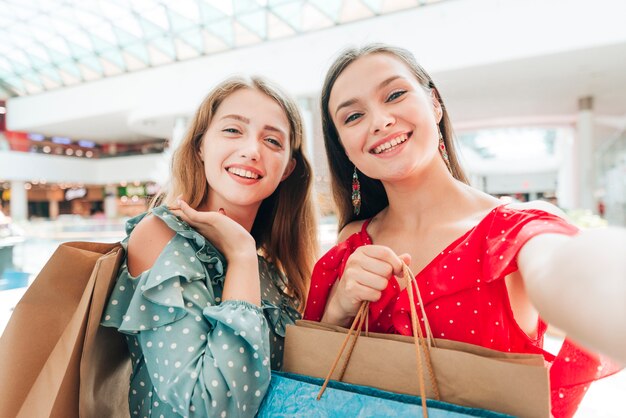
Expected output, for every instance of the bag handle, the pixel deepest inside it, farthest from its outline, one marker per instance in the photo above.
(418, 339)
(412, 282)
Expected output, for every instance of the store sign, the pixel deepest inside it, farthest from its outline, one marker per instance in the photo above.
(77, 193)
(135, 191)
(131, 191)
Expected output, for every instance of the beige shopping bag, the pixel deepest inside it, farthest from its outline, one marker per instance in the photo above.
(55, 358)
(464, 374)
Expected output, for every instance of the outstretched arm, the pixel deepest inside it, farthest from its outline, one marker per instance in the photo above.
(579, 285)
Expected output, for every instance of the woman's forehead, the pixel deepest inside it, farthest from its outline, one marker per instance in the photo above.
(366, 73)
(254, 105)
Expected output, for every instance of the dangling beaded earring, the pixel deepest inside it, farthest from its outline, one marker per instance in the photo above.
(443, 151)
(356, 192)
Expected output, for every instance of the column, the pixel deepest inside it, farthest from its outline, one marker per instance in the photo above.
(308, 119)
(19, 201)
(567, 189)
(583, 155)
(110, 201)
(54, 209)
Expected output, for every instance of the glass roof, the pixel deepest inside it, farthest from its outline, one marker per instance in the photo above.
(48, 44)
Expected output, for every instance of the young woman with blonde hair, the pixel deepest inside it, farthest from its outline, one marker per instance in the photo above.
(214, 274)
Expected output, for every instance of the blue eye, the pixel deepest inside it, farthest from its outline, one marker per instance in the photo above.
(231, 130)
(393, 96)
(274, 142)
(352, 117)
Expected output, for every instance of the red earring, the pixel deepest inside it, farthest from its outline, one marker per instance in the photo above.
(356, 192)
(443, 151)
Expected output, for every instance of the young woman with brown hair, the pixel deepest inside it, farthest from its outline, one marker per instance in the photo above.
(489, 274)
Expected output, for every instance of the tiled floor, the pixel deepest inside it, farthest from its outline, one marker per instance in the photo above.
(604, 399)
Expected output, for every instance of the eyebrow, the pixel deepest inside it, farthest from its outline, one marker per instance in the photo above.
(247, 121)
(237, 117)
(384, 83)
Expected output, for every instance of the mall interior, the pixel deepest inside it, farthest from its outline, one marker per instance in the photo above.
(95, 95)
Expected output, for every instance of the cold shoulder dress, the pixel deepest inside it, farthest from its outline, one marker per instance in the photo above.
(193, 354)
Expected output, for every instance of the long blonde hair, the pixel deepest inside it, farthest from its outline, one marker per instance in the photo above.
(285, 227)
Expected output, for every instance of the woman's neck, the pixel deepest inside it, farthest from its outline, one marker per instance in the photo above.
(243, 215)
(432, 197)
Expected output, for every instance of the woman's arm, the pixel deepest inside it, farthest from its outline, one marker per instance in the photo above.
(579, 285)
(213, 361)
(237, 245)
(215, 358)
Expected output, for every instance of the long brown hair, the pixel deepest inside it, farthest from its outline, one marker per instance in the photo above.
(373, 195)
(285, 227)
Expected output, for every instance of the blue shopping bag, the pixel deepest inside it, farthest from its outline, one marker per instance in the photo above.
(291, 395)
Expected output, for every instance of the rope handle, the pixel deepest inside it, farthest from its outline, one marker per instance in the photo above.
(418, 340)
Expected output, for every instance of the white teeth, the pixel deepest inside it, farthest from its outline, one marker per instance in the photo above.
(389, 144)
(243, 173)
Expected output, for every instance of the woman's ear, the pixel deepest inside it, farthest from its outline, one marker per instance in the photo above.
(289, 169)
(436, 105)
(201, 153)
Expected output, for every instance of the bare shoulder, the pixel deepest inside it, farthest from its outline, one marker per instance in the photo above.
(539, 205)
(146, 243)
(350, 229)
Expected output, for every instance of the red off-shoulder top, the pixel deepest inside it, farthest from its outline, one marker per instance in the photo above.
(465, 298)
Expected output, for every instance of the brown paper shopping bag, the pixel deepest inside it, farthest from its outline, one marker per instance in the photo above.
(463, 374)
(55, 358)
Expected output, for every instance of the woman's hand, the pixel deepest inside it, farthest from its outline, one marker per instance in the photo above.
(366, 275)
(237, 245)
(228, 236)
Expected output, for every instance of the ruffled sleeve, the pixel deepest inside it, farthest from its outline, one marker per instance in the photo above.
(204, 357)
(508, 233)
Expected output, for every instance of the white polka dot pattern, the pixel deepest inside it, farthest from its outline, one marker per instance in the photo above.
(197, 355)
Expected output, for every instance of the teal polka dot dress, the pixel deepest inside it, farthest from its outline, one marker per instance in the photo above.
(194, 355)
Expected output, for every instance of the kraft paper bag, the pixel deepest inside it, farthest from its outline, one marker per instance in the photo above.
(55, 358)
(467, 375)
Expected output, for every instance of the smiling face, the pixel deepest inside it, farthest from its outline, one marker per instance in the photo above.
(386, 120)
(246, 150)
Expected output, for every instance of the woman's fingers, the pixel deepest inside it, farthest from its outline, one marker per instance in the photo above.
(194, 217)
(386, 254)
(356, 276)
(189, 212)
(368, 294)
(375, 266)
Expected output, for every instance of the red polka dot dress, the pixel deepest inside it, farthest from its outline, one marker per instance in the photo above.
(466, 299)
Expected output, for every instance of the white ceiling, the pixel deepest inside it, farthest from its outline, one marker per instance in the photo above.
(539, 88)
(496, 63)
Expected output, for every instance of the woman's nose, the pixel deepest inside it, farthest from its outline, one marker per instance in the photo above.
(381, 121)
(250, 149)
